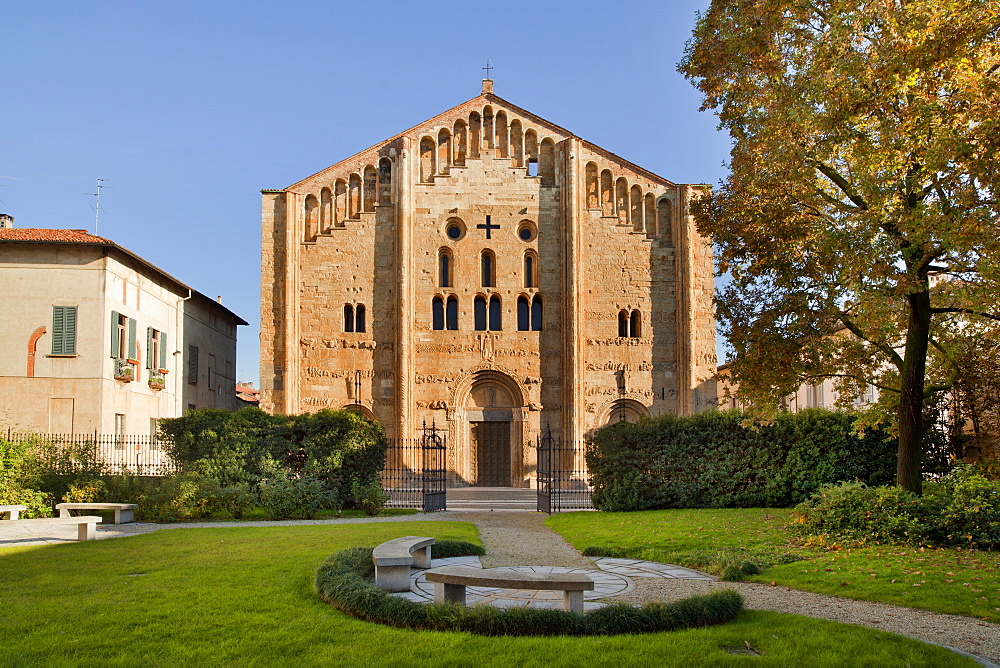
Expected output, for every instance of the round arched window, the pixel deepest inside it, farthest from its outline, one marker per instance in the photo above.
(526, 231)
(454, 229)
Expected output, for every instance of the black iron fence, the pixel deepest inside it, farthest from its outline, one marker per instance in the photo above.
(416, 471)
(100, 454)
(562, 475)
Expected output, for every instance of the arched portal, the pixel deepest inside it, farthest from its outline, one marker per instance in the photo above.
(489, 448)
(627, 410)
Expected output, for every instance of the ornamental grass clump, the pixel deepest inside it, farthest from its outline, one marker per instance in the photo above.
(344, 581)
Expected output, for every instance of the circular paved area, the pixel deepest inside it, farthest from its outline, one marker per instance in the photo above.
(612, 577)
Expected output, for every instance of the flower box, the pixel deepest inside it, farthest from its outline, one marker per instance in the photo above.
(123, 370)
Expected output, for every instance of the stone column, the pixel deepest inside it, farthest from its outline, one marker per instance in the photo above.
(290, 312)
(695, 313)
(274, 260)
(572, 295)
(404, 295)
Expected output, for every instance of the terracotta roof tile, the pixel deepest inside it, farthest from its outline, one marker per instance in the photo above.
(41, 234)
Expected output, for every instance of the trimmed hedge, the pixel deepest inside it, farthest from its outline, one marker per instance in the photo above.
(343, 581)
(718, 460)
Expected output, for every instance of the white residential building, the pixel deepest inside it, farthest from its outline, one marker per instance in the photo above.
(98, 339)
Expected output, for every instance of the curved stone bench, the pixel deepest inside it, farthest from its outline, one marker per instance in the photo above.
(393, 560)
(12, 512)
(450, 583)
(124, 512)
(86, 524)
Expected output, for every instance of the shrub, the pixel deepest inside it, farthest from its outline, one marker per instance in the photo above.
(962, 508)
(717, 460)
(284, 497)
(180, 496)
(126, 488)
(236, 499)
(370, 496)
(338, 448)
(857, 512)
(342, 581)
(969, 508)
(20, 477)
(83, 490)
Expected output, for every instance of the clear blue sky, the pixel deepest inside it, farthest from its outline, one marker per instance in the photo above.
(189, 108)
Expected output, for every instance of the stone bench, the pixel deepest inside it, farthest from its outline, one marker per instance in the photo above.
(11, 512)
(393, 560)
(450, 583)
(86, 524)
(124, 512)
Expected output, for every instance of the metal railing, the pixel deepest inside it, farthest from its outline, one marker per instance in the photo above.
(99, 454)
(563, 481)
(124, 370)
(157, 379)
(415, 472)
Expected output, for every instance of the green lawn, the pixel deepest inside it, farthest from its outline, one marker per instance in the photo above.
(243, 596)
(962, 582)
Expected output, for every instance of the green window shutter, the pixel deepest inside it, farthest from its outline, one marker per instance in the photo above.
(149, 348)
(131, 338)
(57, 330)
(192, 364)
(69, 330)
(114, 333)
(163, 350)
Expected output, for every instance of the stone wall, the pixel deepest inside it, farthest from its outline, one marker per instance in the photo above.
(606, 240)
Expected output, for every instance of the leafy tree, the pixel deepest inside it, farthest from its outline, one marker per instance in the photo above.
(860, 215)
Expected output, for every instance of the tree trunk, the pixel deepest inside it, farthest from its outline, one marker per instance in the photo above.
(911, 400)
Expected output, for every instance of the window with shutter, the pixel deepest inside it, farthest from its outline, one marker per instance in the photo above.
(192, 364)
(150, 338)
(115, 334)
(163, 350)
(132, 352)
(63, 330)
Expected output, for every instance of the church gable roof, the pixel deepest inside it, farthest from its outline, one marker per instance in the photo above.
(462, 111)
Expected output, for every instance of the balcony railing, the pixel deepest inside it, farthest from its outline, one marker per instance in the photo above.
(124, 369)
(157, 379)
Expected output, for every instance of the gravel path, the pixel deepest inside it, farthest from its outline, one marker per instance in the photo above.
(517, 538)
(976, 637)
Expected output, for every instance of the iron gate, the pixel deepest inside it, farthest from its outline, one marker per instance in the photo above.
(562, 475)
(416, 472)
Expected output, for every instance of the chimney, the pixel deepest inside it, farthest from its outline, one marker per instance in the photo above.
(219, 299)
(6, 221)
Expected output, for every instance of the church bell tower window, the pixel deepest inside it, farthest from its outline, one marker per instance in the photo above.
(354, 317)
(496, 314)
(488, 269)
(479, 312)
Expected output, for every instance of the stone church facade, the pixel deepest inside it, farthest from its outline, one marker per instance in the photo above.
(492, 274)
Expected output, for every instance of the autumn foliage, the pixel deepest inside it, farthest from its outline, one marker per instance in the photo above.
(859, 223)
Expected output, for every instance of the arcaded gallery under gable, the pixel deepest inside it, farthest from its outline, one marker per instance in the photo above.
(493, 274)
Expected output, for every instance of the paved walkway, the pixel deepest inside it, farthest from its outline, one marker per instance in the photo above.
(612, 577)
(514, 538)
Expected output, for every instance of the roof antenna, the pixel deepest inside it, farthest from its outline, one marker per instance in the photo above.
(97, 202)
